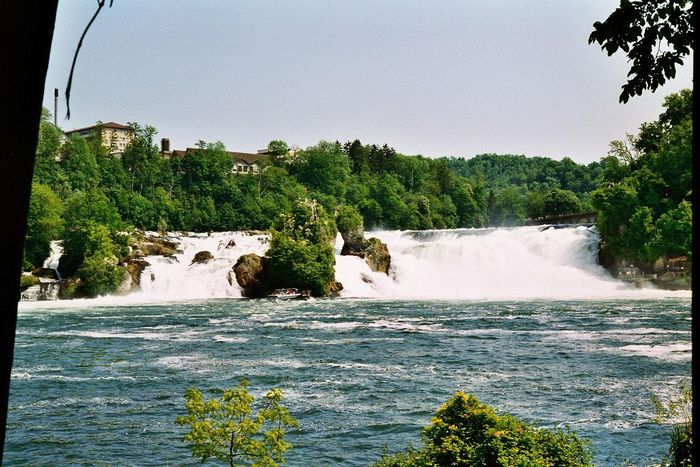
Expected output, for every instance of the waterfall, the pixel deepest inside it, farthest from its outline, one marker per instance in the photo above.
(46, 289)
(54, 257)
(462, 264)
(483, 264)
(177, 277)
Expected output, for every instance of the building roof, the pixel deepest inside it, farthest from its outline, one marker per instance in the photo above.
(247, 157)
(113, 125)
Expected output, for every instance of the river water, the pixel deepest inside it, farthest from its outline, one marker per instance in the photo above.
(96, 383)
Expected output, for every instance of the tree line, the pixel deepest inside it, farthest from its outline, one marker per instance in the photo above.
(89, 198)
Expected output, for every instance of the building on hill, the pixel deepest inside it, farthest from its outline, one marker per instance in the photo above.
(114, 136)
(241, 162)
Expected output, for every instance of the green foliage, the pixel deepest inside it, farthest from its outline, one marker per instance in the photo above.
(278, 151)
(559, 202)
(228, 429)
(348, 219)
(655, 35)
(644, 209)
(323, 167)
(680, 453)
(301, 249)
(673, 232)
(301, 264)
(508, 207)
(99, 268)
(101, 274)
(466, 432)
(81, 164)
(44, 223)
(27, 281)
(47, 167)
(87, 216)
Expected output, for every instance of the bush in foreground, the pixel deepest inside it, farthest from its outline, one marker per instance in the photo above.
(228, 430)
(680, 451)
(466, 432)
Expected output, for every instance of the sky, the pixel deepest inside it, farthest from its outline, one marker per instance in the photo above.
(448, 78)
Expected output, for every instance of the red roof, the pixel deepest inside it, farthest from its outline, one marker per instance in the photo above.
(113, 125)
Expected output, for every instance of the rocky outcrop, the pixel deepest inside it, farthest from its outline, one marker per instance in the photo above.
(71, 288)
(656, 274)
(45, 273)
(334, 287)
(249, 271)
(135, 267)
(202, 257)
(147, 245)
(372, 250)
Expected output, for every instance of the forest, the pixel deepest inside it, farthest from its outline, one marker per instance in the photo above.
(92, 200)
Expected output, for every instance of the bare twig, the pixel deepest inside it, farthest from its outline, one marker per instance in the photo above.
(100, 4)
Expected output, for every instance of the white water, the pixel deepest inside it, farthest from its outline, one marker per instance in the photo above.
(177, 278)
(54, 256)
(46, 289)
(517, 263)
(463, 264)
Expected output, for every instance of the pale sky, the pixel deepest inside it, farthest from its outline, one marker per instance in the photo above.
(437, 78)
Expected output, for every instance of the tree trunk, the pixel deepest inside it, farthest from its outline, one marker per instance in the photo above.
(26, 30)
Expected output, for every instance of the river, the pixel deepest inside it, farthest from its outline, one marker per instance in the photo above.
(103, 385)
(523, 318)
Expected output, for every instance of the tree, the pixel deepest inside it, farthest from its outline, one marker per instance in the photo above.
(323, 167)
(44, 223)
(641, 28)
(674, 231)
(47, 169)
(560, 202)
(227, 429)
(99, 270)
(466, 432)
(81, 164)
(278, 151)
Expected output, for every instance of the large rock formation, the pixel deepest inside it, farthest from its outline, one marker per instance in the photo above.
(135, 267)
(71, 288)
(147, 245)
(250, 275)
(372, 250)
(334, 287)
(202, 257)
(45, 273)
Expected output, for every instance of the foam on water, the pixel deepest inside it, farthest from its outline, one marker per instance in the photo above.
(520, 263)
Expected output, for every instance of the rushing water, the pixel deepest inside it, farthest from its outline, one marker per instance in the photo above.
(102, 385)
(523, 318)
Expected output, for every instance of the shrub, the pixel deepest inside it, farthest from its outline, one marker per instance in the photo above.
(466, 432)
(227, 429)
(680, 451)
